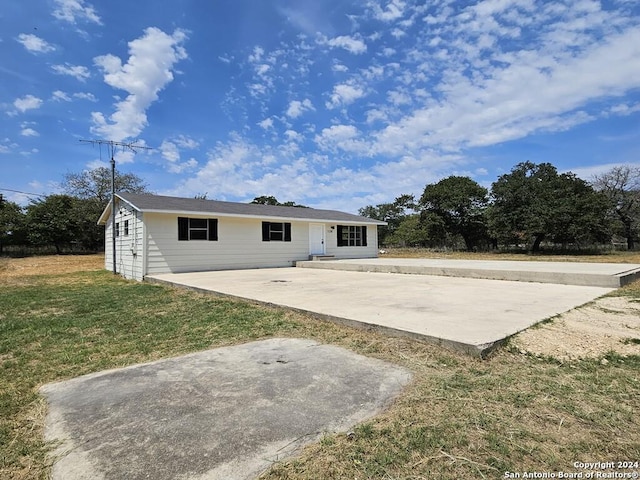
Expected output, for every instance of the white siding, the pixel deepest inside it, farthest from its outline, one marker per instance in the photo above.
(239, 245)
(152, 245)
(130, 247)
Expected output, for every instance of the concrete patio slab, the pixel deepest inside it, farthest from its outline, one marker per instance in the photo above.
(612, 275)
(227, 413)
(465, 314)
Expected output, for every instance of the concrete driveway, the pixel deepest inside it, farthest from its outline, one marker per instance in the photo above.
(227, 413)
(467, 314)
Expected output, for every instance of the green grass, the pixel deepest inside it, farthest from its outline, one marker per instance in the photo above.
(459, 418)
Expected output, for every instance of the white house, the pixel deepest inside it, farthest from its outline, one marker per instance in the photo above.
(159, 234)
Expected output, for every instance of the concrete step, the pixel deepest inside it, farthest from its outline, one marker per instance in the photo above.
(315, 258)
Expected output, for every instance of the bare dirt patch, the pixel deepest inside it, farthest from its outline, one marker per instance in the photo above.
(609, 324)
(49, 265)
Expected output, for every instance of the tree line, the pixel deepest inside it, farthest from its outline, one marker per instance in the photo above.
(526, 208)
(65, 222)
(530, 206)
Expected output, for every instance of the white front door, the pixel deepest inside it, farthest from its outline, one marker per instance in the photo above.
(316, 239)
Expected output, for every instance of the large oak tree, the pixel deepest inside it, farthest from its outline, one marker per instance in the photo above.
(534, 202)
(459, 203)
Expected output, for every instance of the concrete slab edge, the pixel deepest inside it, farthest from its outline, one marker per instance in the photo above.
(590, 280)
(625, 278)
(481, 351)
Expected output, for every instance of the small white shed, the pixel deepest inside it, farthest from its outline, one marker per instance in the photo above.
(159, 234)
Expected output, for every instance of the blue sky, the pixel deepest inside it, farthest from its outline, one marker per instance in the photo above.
(329, 103)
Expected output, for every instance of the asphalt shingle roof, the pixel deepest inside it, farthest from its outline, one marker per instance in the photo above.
(159, 203)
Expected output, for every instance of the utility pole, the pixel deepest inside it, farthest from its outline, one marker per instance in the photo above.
(112, 150)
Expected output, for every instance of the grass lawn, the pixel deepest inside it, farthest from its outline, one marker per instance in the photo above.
(459, 418)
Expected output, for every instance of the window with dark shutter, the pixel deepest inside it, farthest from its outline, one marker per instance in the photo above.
(276, 232)
(197, 228)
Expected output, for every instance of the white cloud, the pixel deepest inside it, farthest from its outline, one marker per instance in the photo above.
(344, 94)
(393, 11)
(257, 54)
(350, 44)
(74, 10)
(85, 96)
(35, 44)
(339, 67)
(297, 107)
(185, 142)
(170, 150)
(148, 70)
(266, 124)
(60, 96)
(342, 137)
(78, 72)
(28, 102)
(29, 132)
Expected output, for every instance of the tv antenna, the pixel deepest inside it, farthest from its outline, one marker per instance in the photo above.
(113, 146)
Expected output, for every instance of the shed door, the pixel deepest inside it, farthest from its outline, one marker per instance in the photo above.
(316, 239)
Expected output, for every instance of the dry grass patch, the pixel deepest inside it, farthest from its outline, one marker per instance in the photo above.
(48, 265)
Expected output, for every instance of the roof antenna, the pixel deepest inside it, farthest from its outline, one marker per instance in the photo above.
(112, 150)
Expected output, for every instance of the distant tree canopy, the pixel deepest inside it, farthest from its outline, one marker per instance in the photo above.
(534, 202)
(394, 214)
(53, 221)
(96, 184)
(12, 228)
(621, 186)
(524, 208)
(270, 200)
(457, 205)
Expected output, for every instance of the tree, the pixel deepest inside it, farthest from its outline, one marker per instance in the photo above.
(12, 221)
(271, 200)
(533, 202)
(92, 190)
(52, 221)
(393, 213)
(621, 186)
(459, 203)
(96, 184)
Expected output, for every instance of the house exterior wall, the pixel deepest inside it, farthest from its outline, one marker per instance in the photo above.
(151, 245)
(129, 244)
(239, 245)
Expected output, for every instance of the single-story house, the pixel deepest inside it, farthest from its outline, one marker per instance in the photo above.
(160, 234)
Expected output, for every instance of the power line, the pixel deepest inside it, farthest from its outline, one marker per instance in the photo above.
(23, 193)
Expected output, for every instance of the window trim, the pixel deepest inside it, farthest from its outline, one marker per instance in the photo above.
(185, 229)
(356, 236)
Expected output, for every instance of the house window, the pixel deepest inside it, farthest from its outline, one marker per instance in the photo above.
(126, 228)
(352, 235)
(117, 229)
(276, 232)
(197, 228)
